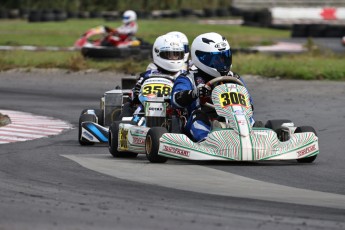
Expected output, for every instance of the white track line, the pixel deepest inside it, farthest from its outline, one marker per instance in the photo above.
(27, 126)
(205, 180)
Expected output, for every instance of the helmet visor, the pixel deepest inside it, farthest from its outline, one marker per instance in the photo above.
(172, 55)
(186, 48)
(221, 60)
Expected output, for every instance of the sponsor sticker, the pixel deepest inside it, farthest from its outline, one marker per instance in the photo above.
(175, 150)
(138, 140)
(123, 138)
(220, 45)
(306, 150)
(87, 135)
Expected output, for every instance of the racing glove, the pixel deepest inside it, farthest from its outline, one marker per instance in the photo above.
(202, 91)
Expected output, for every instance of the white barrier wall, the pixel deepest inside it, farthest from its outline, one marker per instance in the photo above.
(315, 13)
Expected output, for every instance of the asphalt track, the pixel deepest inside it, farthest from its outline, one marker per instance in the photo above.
(53, 183)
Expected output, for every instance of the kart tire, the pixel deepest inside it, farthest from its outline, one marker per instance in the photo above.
(99, 114)
(113, 141)
(116, 115)
(305, 129)
(276, 124)
(101, 52)
(83, 118)
(152, 144)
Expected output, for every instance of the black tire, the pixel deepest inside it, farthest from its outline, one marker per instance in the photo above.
(34, 16)
(152, 144)
(99, 113)
(82, 118)
(100, 116)
(116, 115)
(110, 52)
(276, 124)
(299, 30)
(113, 138)
(101, 52)
(305, 129)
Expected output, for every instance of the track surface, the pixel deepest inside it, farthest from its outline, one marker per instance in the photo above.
(41, 188)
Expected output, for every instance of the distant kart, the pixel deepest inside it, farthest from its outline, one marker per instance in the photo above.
(127, 137)
(233, 138)
(343, 40)
(94, 123)
(91, 46)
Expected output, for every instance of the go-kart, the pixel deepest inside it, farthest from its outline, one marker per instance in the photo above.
(127, 137)
(94, 123)
(343, 40)
(92, 44)
(232, 137)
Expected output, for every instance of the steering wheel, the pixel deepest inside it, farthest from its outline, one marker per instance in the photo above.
(224, 79)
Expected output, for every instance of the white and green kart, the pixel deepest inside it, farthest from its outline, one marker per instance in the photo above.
(235, 139)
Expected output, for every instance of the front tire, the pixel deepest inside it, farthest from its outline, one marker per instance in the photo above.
(305, 129)
(83, 118)
(276, 124)
(152, 144)
(113, 141)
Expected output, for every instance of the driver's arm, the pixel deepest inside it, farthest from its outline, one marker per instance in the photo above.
(182, 93)
(137, 87)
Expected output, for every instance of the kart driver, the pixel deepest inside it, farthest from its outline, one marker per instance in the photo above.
(212, 57)
(181, 36)
(168, 58)
(128, 29)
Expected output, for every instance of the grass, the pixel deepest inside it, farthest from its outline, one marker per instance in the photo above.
(19, 32)
(312, 65)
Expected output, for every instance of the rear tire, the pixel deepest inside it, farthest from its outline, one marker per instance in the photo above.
(113, 141)
(83, 118)
(152, 144)
(305, 129)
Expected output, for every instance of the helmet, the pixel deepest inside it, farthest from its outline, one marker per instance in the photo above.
(129, 16)
(212, 54)
(168, 53)
(184, 41)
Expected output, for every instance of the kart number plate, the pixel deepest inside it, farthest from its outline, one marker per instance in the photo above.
(156, 89)
(232, 98)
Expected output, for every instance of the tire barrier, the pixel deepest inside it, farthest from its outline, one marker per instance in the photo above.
(46, 15)
(257, 18)
(317, 30)
(116, 53)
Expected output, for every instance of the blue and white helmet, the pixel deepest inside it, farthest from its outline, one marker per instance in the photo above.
(184, 41)
(168, 53)
(212, 54)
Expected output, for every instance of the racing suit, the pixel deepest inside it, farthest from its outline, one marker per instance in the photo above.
(134, 107)
(198, 123)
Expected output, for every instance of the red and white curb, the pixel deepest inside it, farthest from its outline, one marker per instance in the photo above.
(27, 126)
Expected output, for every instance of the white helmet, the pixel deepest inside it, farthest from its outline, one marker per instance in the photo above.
(184, 41)
(129, 16)
(168, 53)
(211, 53)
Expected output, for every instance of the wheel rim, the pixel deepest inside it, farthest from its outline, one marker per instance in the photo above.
(148, 144)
